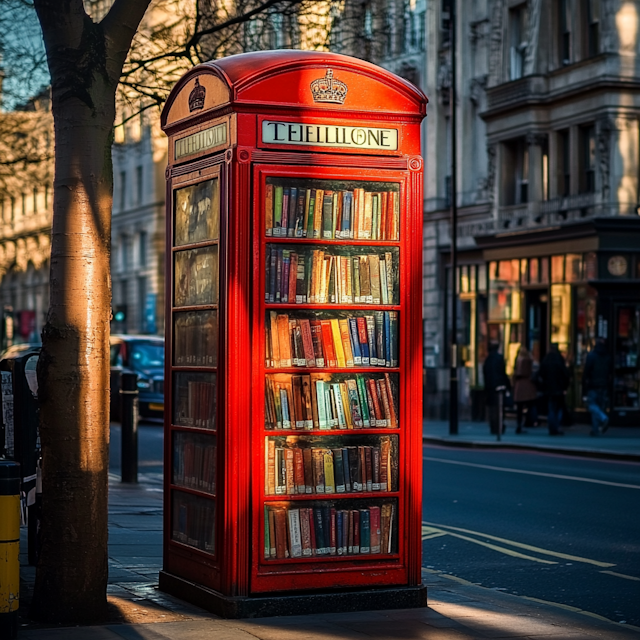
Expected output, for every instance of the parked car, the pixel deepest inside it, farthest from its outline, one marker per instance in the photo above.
(143, 355)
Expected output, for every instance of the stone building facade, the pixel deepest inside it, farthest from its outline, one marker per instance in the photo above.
(548, 110)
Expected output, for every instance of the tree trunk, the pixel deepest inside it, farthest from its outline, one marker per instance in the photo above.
(73, 369)
(85, 61)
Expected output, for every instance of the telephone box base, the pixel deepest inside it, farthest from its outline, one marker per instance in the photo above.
(292, 605)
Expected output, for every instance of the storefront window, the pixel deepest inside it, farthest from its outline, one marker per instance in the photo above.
(573, 267)
(585, 322)
(482, 278)
(534, 271)
(591, 266)
(626, 382)
(504, 290)
(561, 317)
(557, 269)
(544, 271)
(524, 271)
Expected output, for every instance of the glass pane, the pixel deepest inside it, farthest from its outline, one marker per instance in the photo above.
(573, 267)
(195, 338)
(196, 277)
(330, 528)
(331, 401)
(557, 269)
(534, 271)
(627, 350)
(311, 465)
(332, 209)
(504, 290)
(331, 340)
(331, 275)
(195, 400)
(197, 213)
(561, 316)
(194, 461)
(193, 521)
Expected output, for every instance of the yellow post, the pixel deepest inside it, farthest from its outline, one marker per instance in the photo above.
(9, 548)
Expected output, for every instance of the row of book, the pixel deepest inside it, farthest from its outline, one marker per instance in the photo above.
(352, 341)
(194, 461)
(194, 521)
(317, 277)
(327, 531)
(307, 402)
(315, 470)
(296, 212)
(196, 338)
(195, 404)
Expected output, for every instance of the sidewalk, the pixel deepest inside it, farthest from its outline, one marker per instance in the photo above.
(457, 610)
(621, 443)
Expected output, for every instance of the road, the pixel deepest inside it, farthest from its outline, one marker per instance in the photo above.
(150, 451)
(560, 529)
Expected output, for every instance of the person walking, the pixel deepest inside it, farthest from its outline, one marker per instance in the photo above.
(595, 382)
(525, 392)
(554, 377)
(496, 382)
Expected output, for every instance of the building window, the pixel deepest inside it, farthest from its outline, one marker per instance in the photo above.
(587, 159)
(13, 209)
(35, 200)
(139, 185)
(142, 248)
(515, 172)
(517, 41)
(545, 169)
(445, 21)
(564, 31)
(564, 172)
(123, 189)
(125, 243)
(24, 204)
(591, 30)
(142, 303)
(46, 197)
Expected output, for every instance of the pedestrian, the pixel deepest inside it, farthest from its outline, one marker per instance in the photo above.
(554, 378)
(525, 392)
(496, 382)
(595, 383)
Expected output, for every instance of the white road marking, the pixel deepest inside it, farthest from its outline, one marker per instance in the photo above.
(532, 473)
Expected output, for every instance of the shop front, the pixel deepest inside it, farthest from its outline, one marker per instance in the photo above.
(568, 286)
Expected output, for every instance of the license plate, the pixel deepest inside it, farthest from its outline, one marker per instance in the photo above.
(154, 406)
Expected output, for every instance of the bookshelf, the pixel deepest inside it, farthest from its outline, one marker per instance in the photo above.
(293, 407)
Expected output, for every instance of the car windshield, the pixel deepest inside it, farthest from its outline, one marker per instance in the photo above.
(147, 354)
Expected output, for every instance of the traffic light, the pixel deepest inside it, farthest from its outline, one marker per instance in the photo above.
(120, 314)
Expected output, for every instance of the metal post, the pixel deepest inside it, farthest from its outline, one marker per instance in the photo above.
(9, 548)
(129, 427)
(500, 411)
(453, 379)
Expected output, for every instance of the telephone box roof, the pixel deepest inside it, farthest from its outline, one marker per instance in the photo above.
(275, 79)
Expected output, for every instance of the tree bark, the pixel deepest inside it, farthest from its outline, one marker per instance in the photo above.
(85, 60)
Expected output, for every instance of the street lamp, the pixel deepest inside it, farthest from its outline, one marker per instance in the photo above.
(453, 373)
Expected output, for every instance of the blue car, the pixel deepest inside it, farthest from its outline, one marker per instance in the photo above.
(143, 355)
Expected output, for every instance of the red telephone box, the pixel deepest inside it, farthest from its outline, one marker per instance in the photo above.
(293, 413)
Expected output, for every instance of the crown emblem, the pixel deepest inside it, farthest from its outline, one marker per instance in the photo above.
(196, 97)
(328, 89)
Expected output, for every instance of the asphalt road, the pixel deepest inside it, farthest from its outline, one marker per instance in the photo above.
(560, 529)
(150, 450)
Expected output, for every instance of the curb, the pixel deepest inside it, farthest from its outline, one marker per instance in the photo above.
(582, 453)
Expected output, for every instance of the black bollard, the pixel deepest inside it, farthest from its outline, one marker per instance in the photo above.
(9, 548)
(129, 423)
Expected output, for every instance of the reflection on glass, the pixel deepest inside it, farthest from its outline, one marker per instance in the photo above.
(194, 400)
(331, 275)
(197, 213)
(194, 461)
(193, 521)
(195, 338)
(332, 209)
(573, 267)
(557, 269)
(196, 277)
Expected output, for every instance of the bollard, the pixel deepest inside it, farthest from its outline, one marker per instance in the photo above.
(129, 426)
(9, 548)
(500, 391)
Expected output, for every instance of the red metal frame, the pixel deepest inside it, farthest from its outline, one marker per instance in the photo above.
(238, 568)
